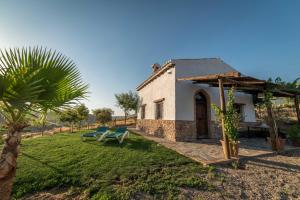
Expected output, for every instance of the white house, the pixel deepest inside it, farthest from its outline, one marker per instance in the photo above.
(180, 110)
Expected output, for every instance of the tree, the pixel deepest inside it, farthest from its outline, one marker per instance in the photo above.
(71, 116)
(103, 115)
(289, 87)
(31, 80)
(74, 115)
(83, 113)
(127, 102)
(293, 86)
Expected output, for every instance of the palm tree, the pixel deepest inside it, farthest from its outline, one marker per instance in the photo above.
(32, 80)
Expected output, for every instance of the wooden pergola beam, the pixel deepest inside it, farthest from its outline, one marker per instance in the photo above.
(283, 93)
(245, 83)
(210, 77)
(241, 87)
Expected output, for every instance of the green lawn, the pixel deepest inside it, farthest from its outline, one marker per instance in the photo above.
(135, 169)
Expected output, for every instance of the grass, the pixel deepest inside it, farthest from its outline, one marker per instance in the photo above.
(134, 170)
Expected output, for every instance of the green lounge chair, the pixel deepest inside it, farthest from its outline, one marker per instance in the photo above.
(120, 134)
(99, 131)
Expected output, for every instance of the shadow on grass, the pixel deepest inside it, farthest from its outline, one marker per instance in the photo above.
(44, 163)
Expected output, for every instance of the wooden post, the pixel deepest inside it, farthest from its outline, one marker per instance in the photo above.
(272, 126)
(297, 108)
(223, 108)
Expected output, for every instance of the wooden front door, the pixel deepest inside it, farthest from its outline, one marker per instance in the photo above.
(201, 116)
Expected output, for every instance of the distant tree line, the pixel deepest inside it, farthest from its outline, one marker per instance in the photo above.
(75, 115)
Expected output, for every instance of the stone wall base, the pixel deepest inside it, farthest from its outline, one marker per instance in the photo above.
(159, 128)
(185, 130)
(175, 130)
(216, 130)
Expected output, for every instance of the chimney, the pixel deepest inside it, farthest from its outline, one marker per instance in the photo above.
(155, 67)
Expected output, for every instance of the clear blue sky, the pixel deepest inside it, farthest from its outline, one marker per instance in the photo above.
(114, 43)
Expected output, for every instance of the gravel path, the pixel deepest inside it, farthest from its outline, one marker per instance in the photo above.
(269, 177)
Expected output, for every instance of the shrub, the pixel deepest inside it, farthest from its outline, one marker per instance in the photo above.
(294, 133)
(231, 117)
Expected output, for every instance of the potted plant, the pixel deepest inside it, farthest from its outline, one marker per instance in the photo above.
(294, 135)
(231, 123)
(276, 142)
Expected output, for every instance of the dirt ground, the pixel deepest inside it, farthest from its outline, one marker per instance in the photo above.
(266, 177)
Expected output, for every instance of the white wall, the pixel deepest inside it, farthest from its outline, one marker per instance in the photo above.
(161, 87)
(248, 107)
(185, 90)
(179, 104)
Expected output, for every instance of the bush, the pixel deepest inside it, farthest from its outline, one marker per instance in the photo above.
(294, 133)
(231, 117)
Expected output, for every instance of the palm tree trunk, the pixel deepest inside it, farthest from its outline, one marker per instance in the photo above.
(8, 162)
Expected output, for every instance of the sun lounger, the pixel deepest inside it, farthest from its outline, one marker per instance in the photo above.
(120, 134)
(99, 131)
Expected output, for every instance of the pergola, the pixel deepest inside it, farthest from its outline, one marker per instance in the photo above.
(249, 85)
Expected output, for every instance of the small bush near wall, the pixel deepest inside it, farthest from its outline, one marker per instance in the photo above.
(294, 134)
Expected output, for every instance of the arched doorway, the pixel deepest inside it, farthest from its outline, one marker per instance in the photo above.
(201, 115)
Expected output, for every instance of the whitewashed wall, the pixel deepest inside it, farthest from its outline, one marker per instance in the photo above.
(179, 103)
(185, 90)
(162, 87)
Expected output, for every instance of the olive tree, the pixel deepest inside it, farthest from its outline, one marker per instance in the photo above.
(127, 102)
(103, 115)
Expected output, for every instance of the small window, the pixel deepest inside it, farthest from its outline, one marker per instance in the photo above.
(159, 109)
(239, 108)
(143, 111)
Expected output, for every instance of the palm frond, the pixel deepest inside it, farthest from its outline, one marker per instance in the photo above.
(38, 78)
